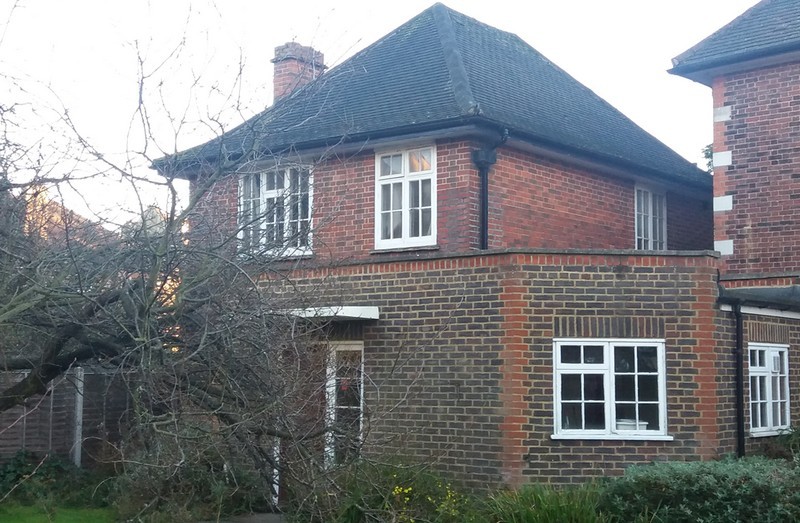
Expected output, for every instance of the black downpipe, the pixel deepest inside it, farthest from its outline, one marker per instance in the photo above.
(739, 353)
(483, 160)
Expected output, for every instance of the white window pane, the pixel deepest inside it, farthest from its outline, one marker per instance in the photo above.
(595, 416)
(570, 354)
(426, 193)
(386, 197)
(413, 162)
(593, 354)
(571, 388)
(754, 390)
(413, 195)
(625, 388)
(397, 224)
(386, 165)
(427, 222)
(624, 359)
(625, 411)
(593, 387)
(648, 388)
(397, 196)
(649, 414)
(414, 223)
(386, 225)
(571, 416)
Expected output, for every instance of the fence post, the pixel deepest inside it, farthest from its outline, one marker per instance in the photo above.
(77, 444)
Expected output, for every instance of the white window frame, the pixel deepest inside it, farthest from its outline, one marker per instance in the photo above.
(330, 395)
(613, 428)
(769, 364)
(404, 179)
(258, 222)
(650, 227)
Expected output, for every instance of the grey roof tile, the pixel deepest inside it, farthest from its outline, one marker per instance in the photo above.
(768, 28)
(443, 69)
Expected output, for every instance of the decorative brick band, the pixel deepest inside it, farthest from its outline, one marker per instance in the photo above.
(613, 327)
(759, 331)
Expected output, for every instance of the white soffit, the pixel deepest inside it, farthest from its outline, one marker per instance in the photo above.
(344, 312)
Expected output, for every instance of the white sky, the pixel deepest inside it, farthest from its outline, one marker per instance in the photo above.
(85, 52)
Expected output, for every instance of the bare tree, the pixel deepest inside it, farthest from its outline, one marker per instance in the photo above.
(187, 305)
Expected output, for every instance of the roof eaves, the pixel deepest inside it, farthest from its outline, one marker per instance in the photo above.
(747, 55)
(781, 298)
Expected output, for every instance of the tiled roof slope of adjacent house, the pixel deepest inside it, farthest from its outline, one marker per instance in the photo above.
(439, 70)
(769, 28)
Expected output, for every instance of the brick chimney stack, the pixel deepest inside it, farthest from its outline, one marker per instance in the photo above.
(295, 66)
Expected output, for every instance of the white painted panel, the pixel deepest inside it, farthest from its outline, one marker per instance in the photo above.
(722, 159)
(723, 203)
(725, 247)
(722, 114)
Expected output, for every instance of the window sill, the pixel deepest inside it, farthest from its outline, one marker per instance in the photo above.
(769, 433)
(405, 249)
(615, 437)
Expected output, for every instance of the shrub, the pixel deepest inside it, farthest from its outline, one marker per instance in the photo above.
(28, 478)
(366, 492)
(545, 504)
(204, 488)
(752, 489)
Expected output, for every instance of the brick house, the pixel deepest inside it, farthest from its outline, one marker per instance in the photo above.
(753, 68)
(526, 277)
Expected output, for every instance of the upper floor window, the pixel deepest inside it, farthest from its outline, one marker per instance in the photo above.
(405, 198)
(769, 388)
(610, 389)
(651, 220)
(275, 211)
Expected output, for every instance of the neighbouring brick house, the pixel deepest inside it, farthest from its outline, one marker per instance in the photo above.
(526, 276)
(753, 68)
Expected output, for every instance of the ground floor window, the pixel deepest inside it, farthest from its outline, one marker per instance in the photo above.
(609, 388)
(769, 388)
(345, 401)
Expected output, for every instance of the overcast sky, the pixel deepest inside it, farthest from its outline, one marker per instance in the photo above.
(86, 54)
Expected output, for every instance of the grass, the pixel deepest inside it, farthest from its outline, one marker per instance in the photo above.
(13, 513)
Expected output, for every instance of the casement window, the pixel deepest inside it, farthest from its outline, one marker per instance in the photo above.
(609, 389)
(405, 198)
(769, 388)
(275, 211)
(345, 401)
(651, 220)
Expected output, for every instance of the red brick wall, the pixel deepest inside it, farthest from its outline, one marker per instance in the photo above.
(764, 178)
(539, 203)
(459, 364)
(534, 203)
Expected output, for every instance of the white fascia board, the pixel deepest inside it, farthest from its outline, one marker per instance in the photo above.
(759, 311)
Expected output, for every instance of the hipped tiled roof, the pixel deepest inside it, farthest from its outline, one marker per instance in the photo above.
(769, 28)
(439, 70)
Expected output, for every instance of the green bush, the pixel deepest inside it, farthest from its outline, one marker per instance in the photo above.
(204, 488)
(751, 489)
(545, 504)
(48, 481)
(366, 492)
